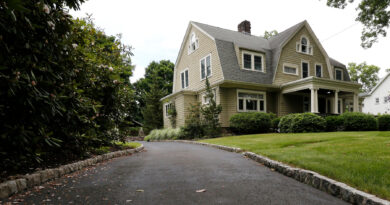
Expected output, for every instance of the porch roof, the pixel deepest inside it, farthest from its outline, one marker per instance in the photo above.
(320, 83)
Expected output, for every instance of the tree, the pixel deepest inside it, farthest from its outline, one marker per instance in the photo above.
(269, 34)
(153, 110)
(159, 74)
(210, 113)
(365, 74)
(373, 14)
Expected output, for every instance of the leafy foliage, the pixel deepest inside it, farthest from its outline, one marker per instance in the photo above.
(153, 110)
(365, 74)
(269, 34)
(250, 122)
(356, 121)
(373, 14)
(193, 127)
(210, 113)
(384, 122)
(334, 123)
(302, 122)
(64, 84)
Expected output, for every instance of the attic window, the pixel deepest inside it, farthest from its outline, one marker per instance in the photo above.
(194, 43)
(253, 61)
(303, 46)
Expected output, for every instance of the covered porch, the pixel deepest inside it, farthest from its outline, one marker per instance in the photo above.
(318, 95)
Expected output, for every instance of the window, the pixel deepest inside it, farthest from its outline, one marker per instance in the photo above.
(193, 45)
(305, 69)
(205, 67)
(385, 99)
(168, 107)
(184, 79)
(290, 69)
(253, 61)
(303, 46)
(318, 70)
(338, 74)
(250, 101)
(206, 100)
(376, 100)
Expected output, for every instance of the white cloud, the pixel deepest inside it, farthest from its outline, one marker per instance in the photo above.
(156, 28)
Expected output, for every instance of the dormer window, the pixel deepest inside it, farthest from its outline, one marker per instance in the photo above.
(303, 46)
(194, 43)
(253, 61)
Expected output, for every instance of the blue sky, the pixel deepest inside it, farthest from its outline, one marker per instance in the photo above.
(155, 29)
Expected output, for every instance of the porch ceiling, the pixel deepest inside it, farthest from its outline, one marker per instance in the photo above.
(320, 83)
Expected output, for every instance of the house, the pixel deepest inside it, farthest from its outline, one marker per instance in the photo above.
(288, 73)
(377, 101)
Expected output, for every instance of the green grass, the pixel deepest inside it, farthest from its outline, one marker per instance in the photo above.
(360, 159)
(128, 145)
(116, 146)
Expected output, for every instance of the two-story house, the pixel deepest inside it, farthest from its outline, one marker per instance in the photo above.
(287, 73)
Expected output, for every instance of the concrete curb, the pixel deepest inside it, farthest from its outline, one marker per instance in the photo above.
(330, 186)
(11, 187)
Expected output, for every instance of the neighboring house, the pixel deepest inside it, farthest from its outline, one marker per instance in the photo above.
(288, 73)
(377, 101)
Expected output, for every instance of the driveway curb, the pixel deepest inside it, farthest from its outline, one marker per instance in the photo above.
(318, 181)
(11, 187)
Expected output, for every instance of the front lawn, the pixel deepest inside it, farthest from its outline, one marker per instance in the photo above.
(360, 159)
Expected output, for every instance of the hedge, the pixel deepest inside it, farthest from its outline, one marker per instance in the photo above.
(250, 123)
(384, 122)
(302, 122)
(334, 123)
(357, 121)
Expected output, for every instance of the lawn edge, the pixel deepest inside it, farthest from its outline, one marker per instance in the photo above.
(314, 179)
(10, 187)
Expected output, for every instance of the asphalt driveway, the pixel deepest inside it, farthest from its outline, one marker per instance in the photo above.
(172, 173)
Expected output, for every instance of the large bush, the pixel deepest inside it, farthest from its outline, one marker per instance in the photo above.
(250, 122)
(334, 123)
(302, 122)
(164, 134)
(275, 124)
(384, 122)
(357, 121)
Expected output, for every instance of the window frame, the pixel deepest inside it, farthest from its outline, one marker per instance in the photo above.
(253, 54)
(377, 101)
(309, 47)
(258, 100)
(186, 83)
(190, 50)
(315, 70)
(200, 67)
(308, 68)
(291, 66)
(167, 106)
(335, 73)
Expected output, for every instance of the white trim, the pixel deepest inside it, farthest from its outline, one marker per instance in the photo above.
(253, 54)
(181, 85)
(165, 108)
(342, 73)
(292, 66)
(315, 69)
(308, 68)
(258, 100)
(200, 67)
(190, 51)
(207, 34)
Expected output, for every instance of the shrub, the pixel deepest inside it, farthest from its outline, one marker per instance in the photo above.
(357, 121)
(194, 126)
(164, 134)
(275, 123)
(249, 123)
(384, 122)
(334, 123)
(302, 122)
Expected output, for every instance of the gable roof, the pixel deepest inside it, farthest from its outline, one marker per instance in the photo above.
(228, 40)
(377, 85)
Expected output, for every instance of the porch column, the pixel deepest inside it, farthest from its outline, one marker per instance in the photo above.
(336, 102)
(314, 100)
(355, 102)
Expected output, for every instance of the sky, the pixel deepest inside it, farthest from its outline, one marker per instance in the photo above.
(155, 29)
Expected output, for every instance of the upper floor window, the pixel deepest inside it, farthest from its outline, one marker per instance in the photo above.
(305, 69)
(290, 69)
(184, 79)
(193, 44)
(249, 101)
(376, 100)
(318, 70)
(385, 99)
(303, 46)
(253, 61)
(338, 74)
(205, 67)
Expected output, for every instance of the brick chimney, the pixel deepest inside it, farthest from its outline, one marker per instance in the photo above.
(245, 27)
